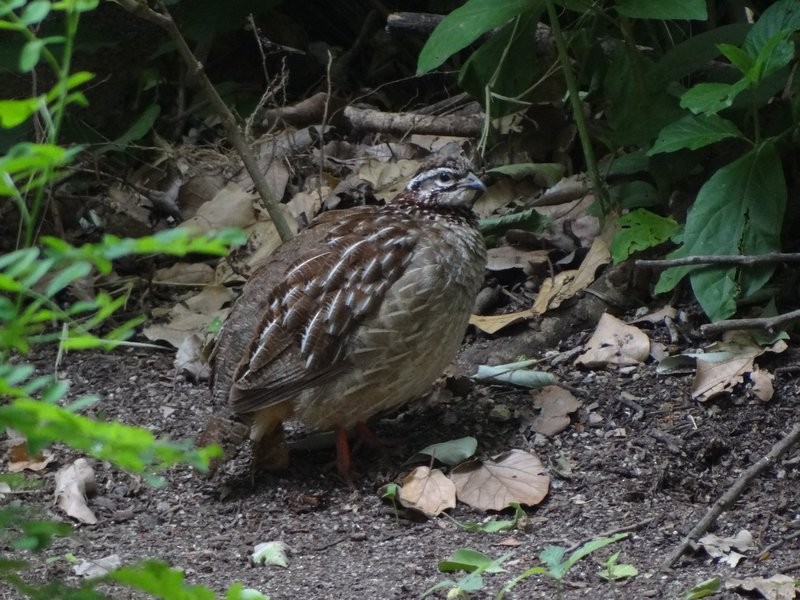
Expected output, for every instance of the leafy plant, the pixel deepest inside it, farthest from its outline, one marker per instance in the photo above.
(33, 311)
(613, 571)
(475, 564)
(556, 566)
(668, 107)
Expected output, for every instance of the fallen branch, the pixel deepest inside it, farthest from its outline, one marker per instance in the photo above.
(164, 20)
(733, 493)
(404, 123)
(717, 259)
(768, 324)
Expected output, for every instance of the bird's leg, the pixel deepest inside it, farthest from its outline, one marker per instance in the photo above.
(344, 460)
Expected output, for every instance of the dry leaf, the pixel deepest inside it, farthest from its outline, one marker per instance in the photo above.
(656, 316)
(190, 359)
(514, 476)
(494, 323)
(556, 405)
(73, 484)
(90, 569)
(428, 491)
(388, 178)
(185, 273)
(19, 459)
(762, 384)
(718, 547)
(511, 257)
(614, 343)
(210, 299)
(777, 587)
(307, 204)
(231, 207)
(566, 284)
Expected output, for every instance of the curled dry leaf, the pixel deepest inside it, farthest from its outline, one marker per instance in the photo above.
(566, 284)
(19, 459)
(514, 476)
(615, 343)
(91, 569)
(190, 359)
(555, 404)
(777, 587)
(73, 484)
(428, 491)
(494, 323)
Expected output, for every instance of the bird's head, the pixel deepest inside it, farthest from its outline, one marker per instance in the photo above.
(448, 182)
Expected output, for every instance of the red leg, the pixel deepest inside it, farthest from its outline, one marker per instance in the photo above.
(344, 463)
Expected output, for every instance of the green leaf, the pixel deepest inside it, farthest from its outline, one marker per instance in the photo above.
(35, 12)
(529, 220)
(710, 98)
(774, 55)
(466, 559)
(16, 112)
(272, 554)
(780, 17)
(739, 210)
(8, 6)
(633, 194)
(29, 57)
(659, 9)
(66, 276)
(451, 452)
(693, 132)
(547, 174)
(738, 57)
(641, 229)
(465, 24)
(704, 589)
(158, 579)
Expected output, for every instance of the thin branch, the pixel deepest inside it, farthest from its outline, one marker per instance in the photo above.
(716, 259)
(165, 21)
(769, 324)
(733, 493)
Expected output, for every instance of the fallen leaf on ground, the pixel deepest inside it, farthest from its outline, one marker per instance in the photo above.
(19, 459)
(511, 257)
(272, 554)
(494, 323)
(762, 384)
(725, 363)
(719, 547)
(614, 343)
(185, 274)
(189, 359)
(555, 404)
(450, 453)
(516, 373)
(777, 587)
(566, 284)
(91, 569)
(428, 491)
(73, 484)
(514, 476)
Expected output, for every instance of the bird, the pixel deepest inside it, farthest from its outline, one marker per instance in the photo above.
(357, 314)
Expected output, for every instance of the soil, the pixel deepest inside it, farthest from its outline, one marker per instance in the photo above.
(653, 472)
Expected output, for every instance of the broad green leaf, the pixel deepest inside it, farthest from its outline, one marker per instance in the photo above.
(739, 210)
(704, 589)
(66, 276)
(738, 57)
(774, 55)
(693, 132)
(529, 220)
(588, 548)
(781, 17)
(659, 9)
(496, 65)
(694, 53)
(29, 57)
(633, 194)
(35, 12)
(15, 112)
(466, 559)
(451, 452)
(465, 24)
(160, 580)
(641, 229)
(710, 98)
(7, 6)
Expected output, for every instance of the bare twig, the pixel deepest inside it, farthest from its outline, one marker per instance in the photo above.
(164, 20)
(769, 324)
(716, 259)
(403, 123)
(733, 493)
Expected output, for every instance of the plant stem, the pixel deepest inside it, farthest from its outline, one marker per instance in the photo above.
(577, 110)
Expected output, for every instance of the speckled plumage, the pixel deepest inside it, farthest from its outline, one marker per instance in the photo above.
(369, 315)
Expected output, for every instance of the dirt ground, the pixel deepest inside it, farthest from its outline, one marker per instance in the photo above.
(653, 471)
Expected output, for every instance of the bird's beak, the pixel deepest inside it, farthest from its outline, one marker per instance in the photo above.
(474, 182)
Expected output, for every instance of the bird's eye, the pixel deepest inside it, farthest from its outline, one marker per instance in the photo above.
(445, 178)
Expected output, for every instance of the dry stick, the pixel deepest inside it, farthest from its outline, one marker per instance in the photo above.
(717, 259)
(165, 21)
(733, 493)
(769, 324)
